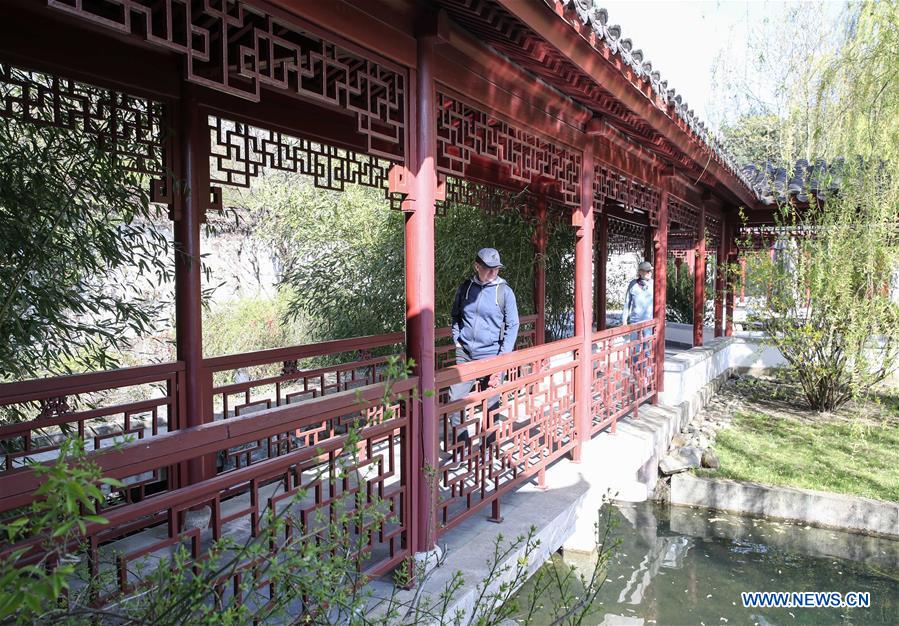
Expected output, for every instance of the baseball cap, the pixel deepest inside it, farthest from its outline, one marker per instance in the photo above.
(645, 266)
(489, 257)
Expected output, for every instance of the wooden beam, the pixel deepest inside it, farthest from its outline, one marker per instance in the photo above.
(542, 19)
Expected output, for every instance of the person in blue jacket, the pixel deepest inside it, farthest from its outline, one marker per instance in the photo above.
(638, 308)
(638, 297)
(485, 323)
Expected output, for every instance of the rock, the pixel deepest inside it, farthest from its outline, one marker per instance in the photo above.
(680, 460)
(197, 518)
(710, 460)
(702, 442)
(678, 441)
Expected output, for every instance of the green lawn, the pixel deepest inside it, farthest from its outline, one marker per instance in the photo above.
(827, 453)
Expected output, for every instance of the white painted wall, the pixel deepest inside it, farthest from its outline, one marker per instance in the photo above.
(688, 372)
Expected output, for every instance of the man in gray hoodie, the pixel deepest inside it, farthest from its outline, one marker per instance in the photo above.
(485, 323)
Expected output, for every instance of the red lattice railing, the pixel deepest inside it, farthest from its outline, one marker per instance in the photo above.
(511, 437)
(623, 372)
(103, 408)
(106, 408)
(286, 375)
(283, 452)
(312, 476)
(242, 384)
(264, 379)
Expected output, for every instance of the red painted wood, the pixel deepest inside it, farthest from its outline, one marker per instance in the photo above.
(720, 257)
(260, 357)
(34, 37)
(583, 296)
(420, 296)
(698, 259)
(510, 443)
(601, 263)
(512, 85)
(658, 289)
(175, 447)
(485, 367)
(193, 167)
(25, 391)
(554, 30)
(540, 269)
(621, 367)
(374, 25)
(509, 94)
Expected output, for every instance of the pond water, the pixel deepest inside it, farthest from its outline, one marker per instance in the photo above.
(679, 565)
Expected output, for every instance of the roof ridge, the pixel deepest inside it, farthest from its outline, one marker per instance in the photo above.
(597, 19)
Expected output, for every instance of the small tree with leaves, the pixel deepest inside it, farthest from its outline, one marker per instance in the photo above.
(827, 307)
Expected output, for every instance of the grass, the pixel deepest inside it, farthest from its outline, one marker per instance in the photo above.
(847, 452)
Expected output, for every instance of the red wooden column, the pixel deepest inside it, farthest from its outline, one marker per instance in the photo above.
(678, 262)
(698, 254)
(660, 285)
(539, 242)
(420, 299)
(601, 263)
(192, 154)
(690, 261)
(720, 260)
(583, 300)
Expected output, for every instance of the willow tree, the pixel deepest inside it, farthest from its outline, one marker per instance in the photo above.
(830, 310)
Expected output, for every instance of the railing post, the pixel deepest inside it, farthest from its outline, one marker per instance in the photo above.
(540, 269)
(420, 299)
(601, 266)
(659, 286)
(699, 281)
(583, 300)
(191, 153)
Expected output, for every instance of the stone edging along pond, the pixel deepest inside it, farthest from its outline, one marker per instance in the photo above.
(818, 508)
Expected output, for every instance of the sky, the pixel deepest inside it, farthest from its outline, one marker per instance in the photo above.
(683, 38)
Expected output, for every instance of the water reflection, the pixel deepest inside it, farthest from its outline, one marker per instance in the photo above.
(679, 565)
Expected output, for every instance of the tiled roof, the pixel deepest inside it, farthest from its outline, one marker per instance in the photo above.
(610, 36)
(775, 184)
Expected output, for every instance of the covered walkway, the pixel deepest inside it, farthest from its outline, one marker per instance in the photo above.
(473, 102)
